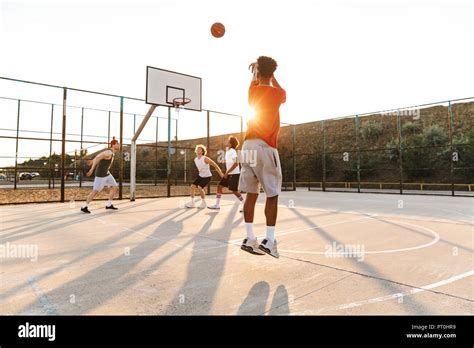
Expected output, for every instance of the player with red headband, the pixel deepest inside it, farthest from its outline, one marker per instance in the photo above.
(100, 166)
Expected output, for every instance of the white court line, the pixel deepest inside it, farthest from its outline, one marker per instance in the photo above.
(311, 228)
(42, 298)
(434, 241)
(396, 295)
(307, 228)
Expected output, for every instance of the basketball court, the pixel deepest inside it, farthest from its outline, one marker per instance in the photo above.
(341, 253)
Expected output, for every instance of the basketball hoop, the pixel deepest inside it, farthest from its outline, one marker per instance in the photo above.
(179, 103)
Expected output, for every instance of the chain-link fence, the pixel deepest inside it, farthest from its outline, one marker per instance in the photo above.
(46, 147)
(426, 149)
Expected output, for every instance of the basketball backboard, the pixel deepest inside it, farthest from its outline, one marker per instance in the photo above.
(162, 86)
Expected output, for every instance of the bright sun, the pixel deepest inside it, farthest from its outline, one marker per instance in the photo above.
(249, 113)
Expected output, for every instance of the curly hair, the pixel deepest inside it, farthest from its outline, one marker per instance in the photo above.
(203, 148)
(234, 142)
(266, 66)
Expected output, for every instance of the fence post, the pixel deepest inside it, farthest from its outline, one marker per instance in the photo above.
(168, 165)
(324, 157)
(81, 151)
(208, 142)
(50, 146)
(63, 147)
(16, 151)
(358, 152)
(294, 158)
(450, 115)
(156, 151)
(400, 149)
(121, 151)
(108, 131)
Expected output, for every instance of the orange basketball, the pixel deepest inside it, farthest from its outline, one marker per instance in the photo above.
(218, 30)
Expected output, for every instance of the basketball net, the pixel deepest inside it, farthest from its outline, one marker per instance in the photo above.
(179, 104)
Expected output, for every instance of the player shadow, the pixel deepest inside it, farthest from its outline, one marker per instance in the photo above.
(196, 295)
(256, 301)
(104, 282)
(280, 302)
(90, 251)
(44, 211)
(409, 303)
(57, 223)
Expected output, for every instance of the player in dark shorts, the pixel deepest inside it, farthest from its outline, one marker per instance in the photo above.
(204, 177)
(100, 167)
(232, 174)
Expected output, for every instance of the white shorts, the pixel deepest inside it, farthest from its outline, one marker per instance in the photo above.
(108, 180)
(260, 166)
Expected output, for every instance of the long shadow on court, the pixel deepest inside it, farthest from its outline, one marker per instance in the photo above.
(34, 214)
(58, 224)
(24, 208)
(102, 283)
(409, 303)
(196, 295)
(93, 249)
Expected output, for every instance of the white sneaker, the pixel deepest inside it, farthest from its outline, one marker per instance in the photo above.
(190, 204)
(251, 246)
(203, 205)
(269, 247)
(215, 206)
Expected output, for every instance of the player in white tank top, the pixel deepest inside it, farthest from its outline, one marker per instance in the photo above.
(232, 174)
(203, 165)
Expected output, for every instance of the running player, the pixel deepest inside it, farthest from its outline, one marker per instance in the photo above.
(204, 176)
(101, 164)
(232, 174)
(265, 97)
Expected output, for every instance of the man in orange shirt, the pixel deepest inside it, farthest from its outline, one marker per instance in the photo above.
(265, 97)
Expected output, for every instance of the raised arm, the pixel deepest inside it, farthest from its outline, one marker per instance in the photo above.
(254, 69)
(214, 164)
(275, 82)
(277, 85)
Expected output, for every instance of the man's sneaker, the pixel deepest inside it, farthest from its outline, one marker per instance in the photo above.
(269, 247)
(190, 204)
(251, 246)
(85, 210)
(111, 207)
(203, 205)
(215, 206)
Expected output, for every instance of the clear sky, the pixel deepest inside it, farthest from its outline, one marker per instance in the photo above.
(335, 58)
